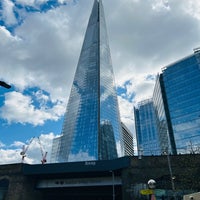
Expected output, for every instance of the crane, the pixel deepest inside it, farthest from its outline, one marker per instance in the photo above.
(25, 149)
(44, 155)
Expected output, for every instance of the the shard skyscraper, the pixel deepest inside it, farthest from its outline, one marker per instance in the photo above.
(92, 127)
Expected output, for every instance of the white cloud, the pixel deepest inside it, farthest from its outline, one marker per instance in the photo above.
(126, 112)
(66, 1)
(1, 144)
(41, 97)
(33, 155)
(7, 12)
(143, 40)
(17, 144)
(138, 88)
(160, 5)
(36, 3)
(47, 55)
(127, 115)
(19, 108)
(34, 152)
(26, 2)
(9, 156)
(192, 7)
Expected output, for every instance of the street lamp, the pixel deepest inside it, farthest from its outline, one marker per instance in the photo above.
(152, 185)
(171, 174)
(4, 84)
(140, 153)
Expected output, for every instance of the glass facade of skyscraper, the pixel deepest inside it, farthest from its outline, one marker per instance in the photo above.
(182, 88)
(55, 149)
(164, 128)
(109, 111)
(176, 104)
(146, 128)
(127, 140)
(92, 129)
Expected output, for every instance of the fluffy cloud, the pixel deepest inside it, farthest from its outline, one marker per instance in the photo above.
(34, 153)
(36, 3)
(8, 12)
(192, 8)
(9, 156)
(1, 144)
(19, 108)
(47, 53)
(160, 5)
(143, 40)
(126, 112)
(12, 154)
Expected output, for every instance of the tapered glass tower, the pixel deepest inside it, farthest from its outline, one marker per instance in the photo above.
(92, 128)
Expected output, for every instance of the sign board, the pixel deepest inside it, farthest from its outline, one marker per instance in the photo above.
(146, 192)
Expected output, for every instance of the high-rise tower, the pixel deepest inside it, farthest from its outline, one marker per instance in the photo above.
(173, 116)
(146, 129)
(92, 128)
(181, 81)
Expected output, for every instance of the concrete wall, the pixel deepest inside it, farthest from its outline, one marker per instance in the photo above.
(20, 187)
(185, 171)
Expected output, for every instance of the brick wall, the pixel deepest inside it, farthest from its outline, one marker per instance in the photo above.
(185, 169)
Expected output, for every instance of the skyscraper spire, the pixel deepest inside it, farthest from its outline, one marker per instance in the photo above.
(92, 127)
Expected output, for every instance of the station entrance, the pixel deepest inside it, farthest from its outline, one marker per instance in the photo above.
(83, 193)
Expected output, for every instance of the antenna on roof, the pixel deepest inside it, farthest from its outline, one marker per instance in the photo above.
(196, 50)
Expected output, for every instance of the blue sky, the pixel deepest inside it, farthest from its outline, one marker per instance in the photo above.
(40, 42)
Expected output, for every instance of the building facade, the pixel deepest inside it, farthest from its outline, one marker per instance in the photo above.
(163, 122)
(146, 128)
(92, 128)
(181, 81)
(55, 149)
(176, 104)
(127, 140)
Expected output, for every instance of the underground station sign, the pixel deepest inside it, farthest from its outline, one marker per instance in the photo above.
(146, 192)
(157, 192)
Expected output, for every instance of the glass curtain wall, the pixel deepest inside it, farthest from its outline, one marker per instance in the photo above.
(92, 116)
(182, 85)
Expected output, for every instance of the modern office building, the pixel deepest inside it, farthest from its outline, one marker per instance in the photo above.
(146, 128)
(163, 122)
(127, 140)
(176, 104)
(92, 128)
(181, 82)
(55, 149)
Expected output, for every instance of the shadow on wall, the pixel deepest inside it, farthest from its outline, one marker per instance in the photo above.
(4, 183)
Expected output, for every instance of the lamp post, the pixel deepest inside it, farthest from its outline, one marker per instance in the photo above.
(4, 84)
(140, 153)
(171, 174)
(113, 184)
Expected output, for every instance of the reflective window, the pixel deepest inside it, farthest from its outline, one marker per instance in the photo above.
(146, 128)
(92, 128)
(182, 85)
